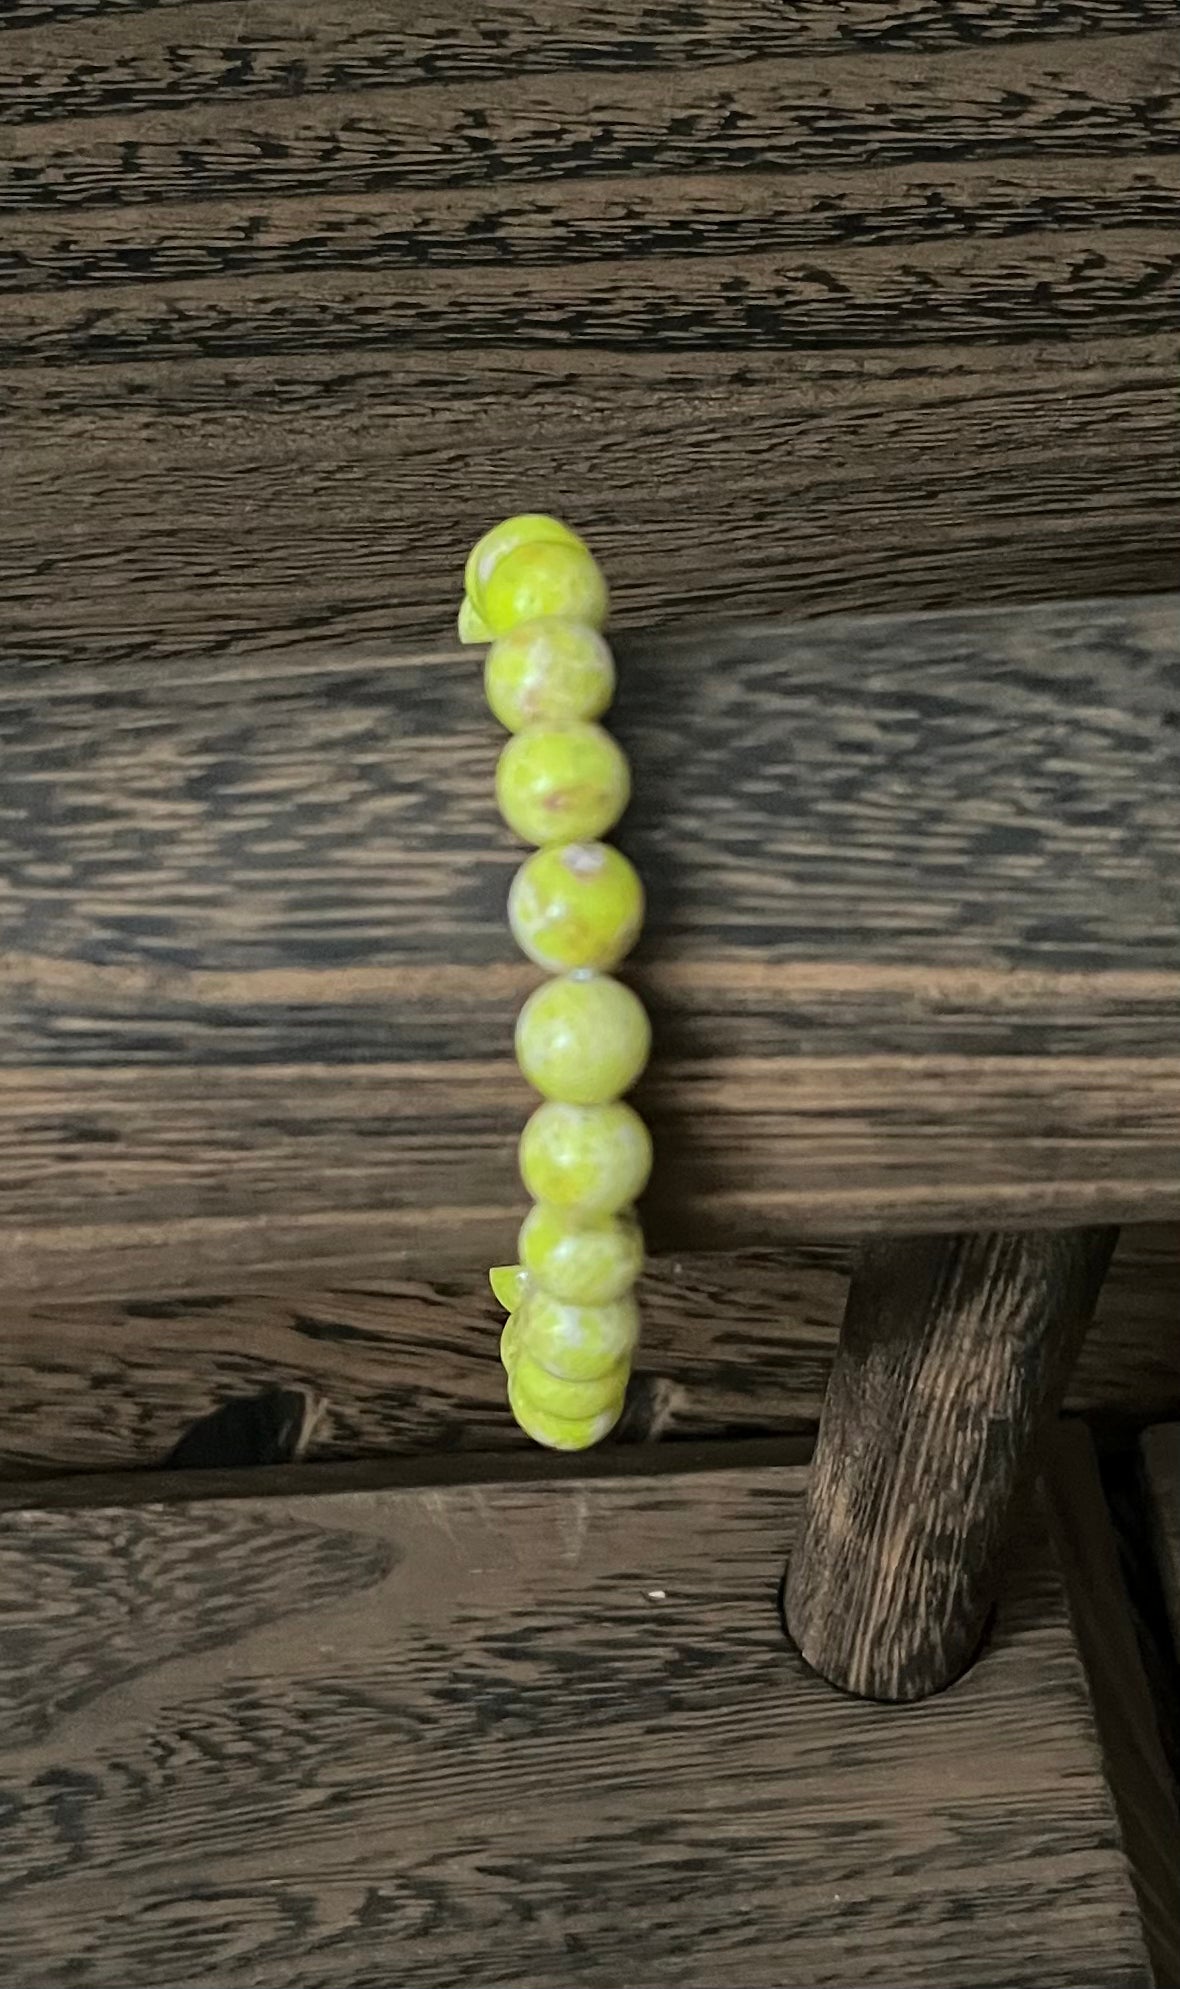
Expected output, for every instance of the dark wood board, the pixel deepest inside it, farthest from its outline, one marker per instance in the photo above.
(841, 305)
(1129, 1723)
(732, 1346)
(1160, 1448)
(543, 1732)
(913, 947)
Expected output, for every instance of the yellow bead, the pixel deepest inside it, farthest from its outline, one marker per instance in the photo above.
(472, 627)
(510, 1341)
(591, 1159)
(528, 528)
(560, 1432)
(508, 1283)
(583, 1261)
(548, 672)
(582, 1040)
(578, 1342)
(576, 905)
(571, 1400)
(544, 579)
(562, 784)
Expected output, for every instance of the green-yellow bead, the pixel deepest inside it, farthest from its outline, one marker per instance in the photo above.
(544, 578)
(562, 784)
(578, 1342)
(511, 1340)
(591, 1159)
(548, 672)
(582, 1039)
(569, 1399)
(472, 627)
(583, 1261)
(527, 528)
(560, 1432)
(508, 1282)
(576, 905)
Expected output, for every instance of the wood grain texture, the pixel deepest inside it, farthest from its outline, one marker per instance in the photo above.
(846, 305)
(543, 1732)
(150, 61)
(1103, 1615)
(1160, 1449)
(953, 1358)
(736, 1345)
(914, 960)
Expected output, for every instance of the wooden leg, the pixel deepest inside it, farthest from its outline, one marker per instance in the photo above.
(953, 1353)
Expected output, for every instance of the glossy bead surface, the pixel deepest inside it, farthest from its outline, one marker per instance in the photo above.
(510, 1340)
(562, 784)
(527, 528)
(590, 1159)
(578, 1342)
(544, 578)
(583, 1040)
(560, 1432)
(568, 1399)
(549, 672)
(590, 1261)
(576, 905)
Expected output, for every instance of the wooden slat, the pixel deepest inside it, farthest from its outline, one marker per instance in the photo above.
(733, 1345)
(148, 57)
(1128, 1721)
(1161, 1476)
(840, 306)
(542, 1732)
(571, 220)
(913, 949)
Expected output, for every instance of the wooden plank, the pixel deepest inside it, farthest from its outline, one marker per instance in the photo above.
(737, 1345)
(1161, 1476)
(734, 1344)
(142, 58)
(1128, 1722)
(913, 962)
(887, 306)
(336, 453)
(543, 1732)
(842, 307)
(566, 220)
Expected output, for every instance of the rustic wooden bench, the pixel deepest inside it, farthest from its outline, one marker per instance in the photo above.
(836, 308)
(913, 956)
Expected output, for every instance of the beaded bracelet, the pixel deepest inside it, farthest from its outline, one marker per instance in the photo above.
(575, 907)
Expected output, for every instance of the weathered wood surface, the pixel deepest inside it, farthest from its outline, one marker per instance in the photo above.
(1130, 1726)
(1161, 1477)
(546, 1732)
(913, 950)
(836, 305)
(745, 1343)
(732, 1346)
(953, 1358)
